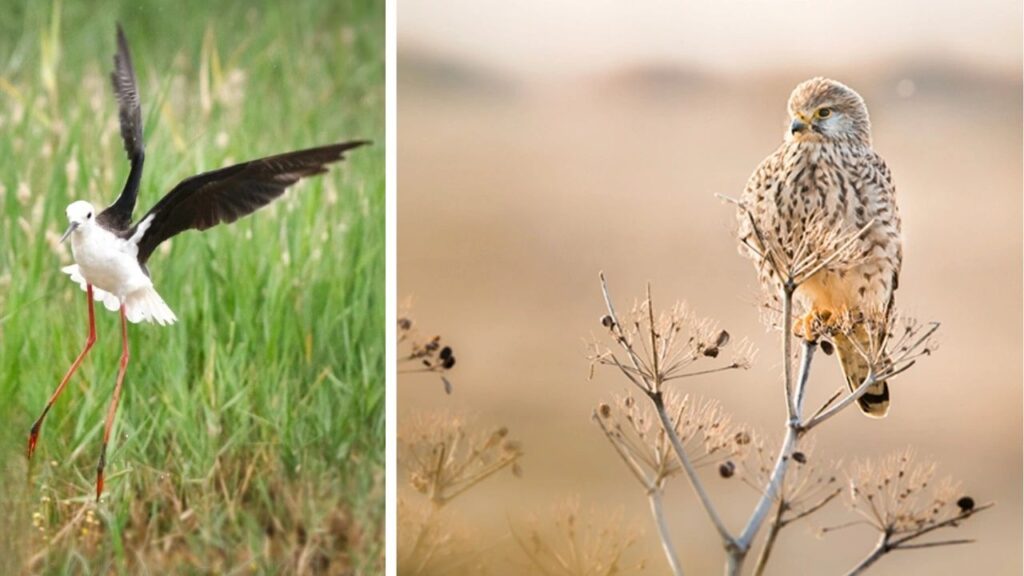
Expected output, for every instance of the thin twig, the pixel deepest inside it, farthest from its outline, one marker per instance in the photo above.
(877, 552)
(849, 399)
(787, 349)
(936, 544)
(779, 522)
(654, 340)
(617, 326)
(769, 543)
(827, 403)
(732, 366)
(666, 422)
(654, 497)
(691, 473)
(631, 462)
(832, 496)
(887, 544)
(952, 521)
(837, 253)
(805, 372)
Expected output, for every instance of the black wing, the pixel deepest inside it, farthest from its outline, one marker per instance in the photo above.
(225, 195)
(119, 215)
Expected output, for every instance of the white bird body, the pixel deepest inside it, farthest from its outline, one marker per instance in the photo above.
(111, 265)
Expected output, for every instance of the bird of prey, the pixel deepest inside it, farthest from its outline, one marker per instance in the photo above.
(826, 171)
(111, 252)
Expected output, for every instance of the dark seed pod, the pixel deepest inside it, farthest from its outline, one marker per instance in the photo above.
(604, 410)
(965, 503)
(445, 353)
(448, 362)
(726, 469)
(800, 457)
(404, 324)
(827, 347)
(711, 352)
(722, 340)
(607, 321)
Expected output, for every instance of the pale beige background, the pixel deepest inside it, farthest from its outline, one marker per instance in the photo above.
(539, 144)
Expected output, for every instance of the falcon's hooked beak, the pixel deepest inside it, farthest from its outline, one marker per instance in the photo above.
(799, 125)
(71, 228)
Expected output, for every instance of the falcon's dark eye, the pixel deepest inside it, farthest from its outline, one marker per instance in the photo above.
(824, 112)
(89, 215)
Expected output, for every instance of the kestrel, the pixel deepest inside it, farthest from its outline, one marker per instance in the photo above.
(826, 172)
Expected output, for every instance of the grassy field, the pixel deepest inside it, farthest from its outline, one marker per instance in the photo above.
(250, 435)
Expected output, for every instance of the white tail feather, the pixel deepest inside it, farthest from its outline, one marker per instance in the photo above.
(145, 305)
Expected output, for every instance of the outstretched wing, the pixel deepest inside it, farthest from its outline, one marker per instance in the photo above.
(225, 195)
(119, 215)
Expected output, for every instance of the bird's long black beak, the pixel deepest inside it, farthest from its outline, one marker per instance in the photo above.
(71, 228)
(797, 126)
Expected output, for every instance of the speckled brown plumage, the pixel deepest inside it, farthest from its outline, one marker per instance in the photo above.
(826, 171)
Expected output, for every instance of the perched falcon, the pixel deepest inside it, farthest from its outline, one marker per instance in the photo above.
(825, 171)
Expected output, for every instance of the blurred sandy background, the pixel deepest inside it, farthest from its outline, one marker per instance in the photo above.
(539, 144)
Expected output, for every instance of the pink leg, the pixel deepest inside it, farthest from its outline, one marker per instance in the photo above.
(34, 433)
(113, 404)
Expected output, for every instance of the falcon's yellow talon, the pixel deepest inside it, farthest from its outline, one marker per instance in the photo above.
(814, 324)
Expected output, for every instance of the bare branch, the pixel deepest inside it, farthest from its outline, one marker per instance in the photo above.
(774, 486)
(654, 498)
(691, 473)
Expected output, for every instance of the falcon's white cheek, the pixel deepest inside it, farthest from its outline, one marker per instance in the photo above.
(835, 124)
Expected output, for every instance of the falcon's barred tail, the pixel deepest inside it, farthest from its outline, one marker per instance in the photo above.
(875, 401)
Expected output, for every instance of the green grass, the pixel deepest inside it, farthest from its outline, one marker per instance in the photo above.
(250, 435)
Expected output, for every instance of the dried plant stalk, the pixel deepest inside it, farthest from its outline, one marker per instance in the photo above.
(649, 354)
(445, 459)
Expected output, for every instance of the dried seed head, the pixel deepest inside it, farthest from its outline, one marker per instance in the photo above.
(800, 457)
(577, 541)
(604, 410)
(668, 343)
(898, 495)
(443, 457)
(965, 503)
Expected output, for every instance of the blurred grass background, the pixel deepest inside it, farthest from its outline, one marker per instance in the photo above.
(250, 435)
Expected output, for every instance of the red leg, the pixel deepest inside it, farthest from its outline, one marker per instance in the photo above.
(113, 404)
(34, 433)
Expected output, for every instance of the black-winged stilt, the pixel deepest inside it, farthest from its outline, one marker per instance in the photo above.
(111, 253)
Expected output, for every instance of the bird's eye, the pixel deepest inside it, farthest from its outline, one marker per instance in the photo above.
(824, 112)
(89, 215)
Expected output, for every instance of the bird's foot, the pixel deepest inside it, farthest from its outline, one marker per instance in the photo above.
(815, 324)
(33, 437)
